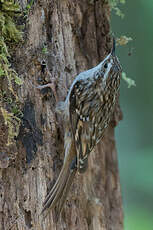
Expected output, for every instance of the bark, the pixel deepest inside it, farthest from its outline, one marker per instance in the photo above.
(75, 37)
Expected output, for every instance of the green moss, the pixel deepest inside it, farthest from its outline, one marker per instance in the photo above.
(13, 124)
(29, 5)
(28, 8)
(114, 6)
(130, 82)
(44, 50)
(10, 35)
(123, 40)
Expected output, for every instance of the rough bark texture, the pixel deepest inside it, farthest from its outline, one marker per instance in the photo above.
(76, 34)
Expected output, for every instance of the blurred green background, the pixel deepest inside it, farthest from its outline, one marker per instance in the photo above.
(135, 133)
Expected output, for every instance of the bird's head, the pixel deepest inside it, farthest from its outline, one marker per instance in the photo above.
(110, 66)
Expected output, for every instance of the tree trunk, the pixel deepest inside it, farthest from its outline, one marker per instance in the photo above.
(61, 39)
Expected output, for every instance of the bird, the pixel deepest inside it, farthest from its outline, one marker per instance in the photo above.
(87, 111)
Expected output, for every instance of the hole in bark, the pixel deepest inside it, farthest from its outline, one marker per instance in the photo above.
(68, 69)
(28, 219)
(58, 134)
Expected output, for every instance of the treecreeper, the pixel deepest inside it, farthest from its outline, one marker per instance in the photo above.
(87, 112)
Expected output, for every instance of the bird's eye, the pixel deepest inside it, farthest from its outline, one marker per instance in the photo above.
(106, 65)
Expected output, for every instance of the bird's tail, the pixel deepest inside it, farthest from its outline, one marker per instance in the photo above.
(57, 195)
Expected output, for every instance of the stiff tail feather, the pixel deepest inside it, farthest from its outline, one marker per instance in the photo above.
(57, 195)
(66, 188)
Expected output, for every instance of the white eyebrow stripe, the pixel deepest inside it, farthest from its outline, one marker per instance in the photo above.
(108, 69)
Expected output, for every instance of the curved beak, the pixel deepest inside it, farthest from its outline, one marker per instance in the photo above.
(113, 48)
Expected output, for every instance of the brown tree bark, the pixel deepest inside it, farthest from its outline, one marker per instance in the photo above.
(70, 37)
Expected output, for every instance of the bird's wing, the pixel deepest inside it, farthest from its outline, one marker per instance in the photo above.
(82, 110)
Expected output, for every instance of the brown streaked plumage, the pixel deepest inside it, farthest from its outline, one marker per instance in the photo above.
(87, 111)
